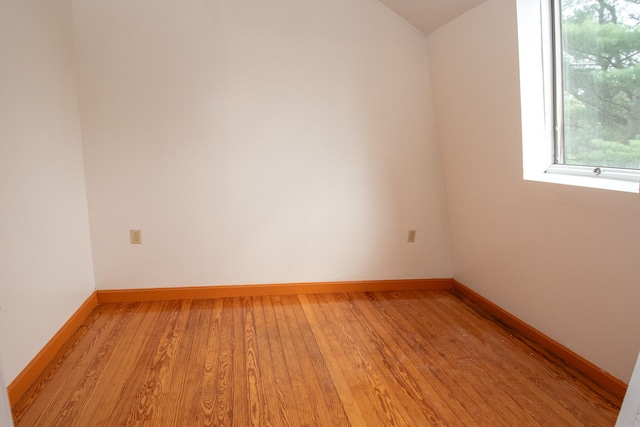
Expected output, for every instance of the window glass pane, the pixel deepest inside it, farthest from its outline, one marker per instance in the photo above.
(600, 108)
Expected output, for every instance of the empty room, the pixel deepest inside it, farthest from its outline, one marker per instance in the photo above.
(319, 212)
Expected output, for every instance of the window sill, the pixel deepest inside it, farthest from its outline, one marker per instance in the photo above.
(585, 181)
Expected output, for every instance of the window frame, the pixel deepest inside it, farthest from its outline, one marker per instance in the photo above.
(557, 76)
(537, 29)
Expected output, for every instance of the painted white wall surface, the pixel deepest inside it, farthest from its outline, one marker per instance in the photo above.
(6, 419)
(46, 268)
(629, 415)
(564, 259)
(257, 142)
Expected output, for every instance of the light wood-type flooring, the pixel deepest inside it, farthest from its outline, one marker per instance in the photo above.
(410, 358)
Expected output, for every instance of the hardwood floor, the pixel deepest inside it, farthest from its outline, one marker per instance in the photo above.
(413, 358)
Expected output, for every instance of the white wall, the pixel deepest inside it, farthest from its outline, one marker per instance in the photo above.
(629, 415)
(564, 259)
(257, 142)
(6, 419)
(45, 253)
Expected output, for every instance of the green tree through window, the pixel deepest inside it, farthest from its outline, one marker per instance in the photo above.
(600, 108)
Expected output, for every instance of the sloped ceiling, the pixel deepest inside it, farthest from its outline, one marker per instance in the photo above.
(428, 15)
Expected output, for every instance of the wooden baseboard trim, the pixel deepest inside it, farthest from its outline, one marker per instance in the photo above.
(600, 377)
(30, 373)
(207, 292)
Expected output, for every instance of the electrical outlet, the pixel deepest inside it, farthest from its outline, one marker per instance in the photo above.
(135, 236)
(412, 236)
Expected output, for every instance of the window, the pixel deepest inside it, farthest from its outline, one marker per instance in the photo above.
(597, 98)
(587, 110)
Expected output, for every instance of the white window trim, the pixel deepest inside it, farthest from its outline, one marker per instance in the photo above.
(536, 99)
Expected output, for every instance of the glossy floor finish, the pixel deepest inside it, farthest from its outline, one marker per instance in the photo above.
(414, 358)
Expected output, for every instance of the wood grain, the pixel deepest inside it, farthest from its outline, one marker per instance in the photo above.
(23, 381)
(600, 378)
(230, 291)
(399, 358)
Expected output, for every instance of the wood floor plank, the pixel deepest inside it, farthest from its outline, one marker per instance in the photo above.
(274, 390)
(407, 410)
(495, 361)
(481, 355)
(223, 385)
(258, 410)
(527, 381)
(304, 391)
(546, 375)
(387, 359)
(75, 368)
(410, 343)
(86, 382)
(289, 408)
(539, 377)
(388, 407)
(365, 397)
(206, 392)
(348, 398)
(177, 409)
(156, 383)
(64, 363)
(328, 395)
(437, 343)
(240, 393)
(31, 404)
(117, 383)
(401, 358)
(414, 376)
